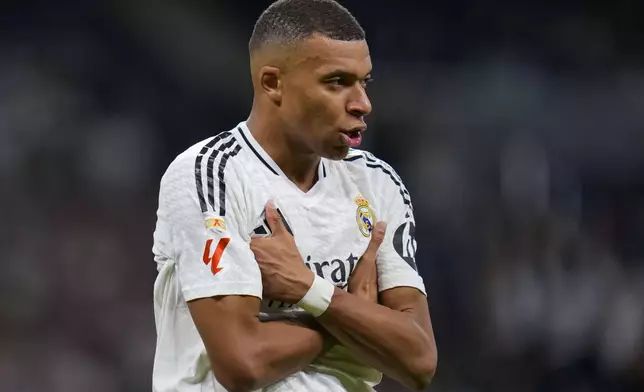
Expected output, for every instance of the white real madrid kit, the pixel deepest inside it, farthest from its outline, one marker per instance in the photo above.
(211, 203)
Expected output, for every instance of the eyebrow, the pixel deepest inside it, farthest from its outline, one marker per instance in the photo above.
(340, 72)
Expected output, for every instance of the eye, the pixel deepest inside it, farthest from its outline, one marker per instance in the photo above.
(338, 81)
(366, 81)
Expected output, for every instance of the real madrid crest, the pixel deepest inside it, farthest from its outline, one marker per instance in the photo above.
(364, 216)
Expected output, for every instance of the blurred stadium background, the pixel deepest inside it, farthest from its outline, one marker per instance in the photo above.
(517, 126)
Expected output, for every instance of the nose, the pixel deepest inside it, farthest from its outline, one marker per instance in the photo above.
(359, 105)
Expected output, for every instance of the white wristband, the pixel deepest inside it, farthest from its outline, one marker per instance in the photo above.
(318, 298)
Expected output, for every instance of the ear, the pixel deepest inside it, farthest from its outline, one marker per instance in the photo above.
(270, 79)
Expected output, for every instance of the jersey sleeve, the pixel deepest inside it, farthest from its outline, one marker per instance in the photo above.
(396, 260)
(206, 214)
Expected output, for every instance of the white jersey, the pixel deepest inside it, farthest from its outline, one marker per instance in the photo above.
(211, 204)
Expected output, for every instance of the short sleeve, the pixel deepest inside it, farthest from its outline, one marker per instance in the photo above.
(210, 244)
(396, 259)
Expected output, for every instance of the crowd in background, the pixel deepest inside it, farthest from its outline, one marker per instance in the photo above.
(517, 127)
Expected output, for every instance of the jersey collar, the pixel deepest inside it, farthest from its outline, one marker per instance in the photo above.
(263, 156)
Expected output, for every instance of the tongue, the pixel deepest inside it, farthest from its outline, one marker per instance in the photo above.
(354, 141)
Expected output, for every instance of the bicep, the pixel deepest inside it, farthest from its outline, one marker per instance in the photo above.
(224, 322)
(214, 263)
(227, 325)
(396, 260)
(400, 284)
(211, 248)
(409, 301)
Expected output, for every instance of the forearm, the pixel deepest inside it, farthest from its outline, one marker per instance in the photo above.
(283, 348)
(389, 340)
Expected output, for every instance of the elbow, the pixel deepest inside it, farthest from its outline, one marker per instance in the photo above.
(421, 372)
(236, 381)
(238, 375)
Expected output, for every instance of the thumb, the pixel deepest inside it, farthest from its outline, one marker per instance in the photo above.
(377, 236)
(274, 219)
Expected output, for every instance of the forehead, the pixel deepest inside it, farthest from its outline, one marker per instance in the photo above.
(321, 54)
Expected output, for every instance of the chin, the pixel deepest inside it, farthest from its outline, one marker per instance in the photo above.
(337, 153)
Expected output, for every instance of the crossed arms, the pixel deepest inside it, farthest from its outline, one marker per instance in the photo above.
(392, 333)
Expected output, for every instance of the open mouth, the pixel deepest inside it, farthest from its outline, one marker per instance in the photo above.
(353, 138)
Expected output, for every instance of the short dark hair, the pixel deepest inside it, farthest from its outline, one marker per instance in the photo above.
(288, 21)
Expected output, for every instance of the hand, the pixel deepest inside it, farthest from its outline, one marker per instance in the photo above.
(284, 275)
(363, 282)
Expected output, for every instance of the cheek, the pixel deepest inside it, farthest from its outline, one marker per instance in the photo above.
(311, 111)
(302, 108)
(315, 109)
(326, 108)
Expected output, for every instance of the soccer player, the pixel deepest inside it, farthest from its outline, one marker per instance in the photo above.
(283, 215)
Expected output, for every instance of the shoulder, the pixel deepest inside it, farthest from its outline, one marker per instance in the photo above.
(203, 160)
(365, 166)
(364, 163)
(194, 158)
(199, 170)
(361, 161)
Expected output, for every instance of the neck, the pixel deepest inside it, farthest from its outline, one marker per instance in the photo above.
(299, 167)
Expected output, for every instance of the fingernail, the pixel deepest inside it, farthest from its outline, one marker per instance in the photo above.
(271, 204)
(381, 227)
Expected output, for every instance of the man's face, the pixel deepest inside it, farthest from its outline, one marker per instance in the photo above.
(324, 99)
